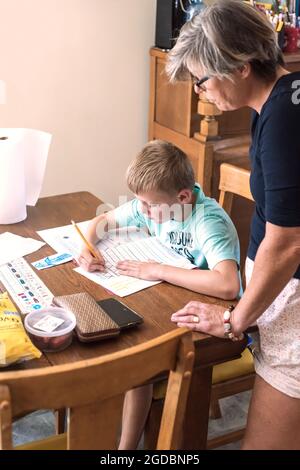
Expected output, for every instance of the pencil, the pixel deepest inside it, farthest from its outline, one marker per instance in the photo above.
(88, 245)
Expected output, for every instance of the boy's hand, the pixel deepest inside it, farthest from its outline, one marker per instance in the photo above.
(88, 262)
(140, 269)
(201, 317)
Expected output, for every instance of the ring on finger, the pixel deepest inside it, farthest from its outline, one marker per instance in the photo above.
(195, 319)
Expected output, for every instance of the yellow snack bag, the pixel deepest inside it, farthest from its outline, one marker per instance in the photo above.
(15, 345)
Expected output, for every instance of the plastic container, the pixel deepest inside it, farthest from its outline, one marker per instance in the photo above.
(51, 341)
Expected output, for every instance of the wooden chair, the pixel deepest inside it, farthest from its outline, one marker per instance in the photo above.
(233, 180)
(93, 392)
(233, 376)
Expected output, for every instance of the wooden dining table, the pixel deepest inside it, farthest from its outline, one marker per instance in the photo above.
(155, 304)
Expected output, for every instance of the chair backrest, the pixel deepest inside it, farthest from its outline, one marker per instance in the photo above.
(93, 391)
(233, 180)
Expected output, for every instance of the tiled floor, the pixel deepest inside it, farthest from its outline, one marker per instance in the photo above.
(234, 416)
(234, 412)
(33, 427)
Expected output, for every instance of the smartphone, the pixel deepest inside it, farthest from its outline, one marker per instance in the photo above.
(120, 313)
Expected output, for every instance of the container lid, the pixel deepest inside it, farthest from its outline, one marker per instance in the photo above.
(57, 315)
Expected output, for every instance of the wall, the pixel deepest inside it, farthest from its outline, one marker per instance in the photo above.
(79, 69)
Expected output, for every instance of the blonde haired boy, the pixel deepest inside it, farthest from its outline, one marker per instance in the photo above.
(172, 207)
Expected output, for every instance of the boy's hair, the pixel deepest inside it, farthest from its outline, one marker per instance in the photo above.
(160, 166)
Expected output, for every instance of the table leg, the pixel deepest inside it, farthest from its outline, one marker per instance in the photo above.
(197, 413)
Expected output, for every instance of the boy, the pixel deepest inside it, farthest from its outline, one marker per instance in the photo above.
(174, 208)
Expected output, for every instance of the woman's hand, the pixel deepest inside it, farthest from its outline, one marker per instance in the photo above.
(88, 262)
(201, 317)
(140, 269)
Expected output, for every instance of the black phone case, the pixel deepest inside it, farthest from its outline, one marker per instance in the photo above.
(122, 315)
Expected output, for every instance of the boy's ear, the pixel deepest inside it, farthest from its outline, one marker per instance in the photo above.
(185, 196)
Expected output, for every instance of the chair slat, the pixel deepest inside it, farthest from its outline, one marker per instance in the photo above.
(93, 391)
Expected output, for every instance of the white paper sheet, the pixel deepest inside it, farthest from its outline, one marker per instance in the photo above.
(117, 284)
(23, 157)
(127, 245)
(13, 247)
(66, 240)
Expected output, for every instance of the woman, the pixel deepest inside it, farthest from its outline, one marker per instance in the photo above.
(231, 50)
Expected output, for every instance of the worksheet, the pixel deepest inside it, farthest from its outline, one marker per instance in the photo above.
(126, 244)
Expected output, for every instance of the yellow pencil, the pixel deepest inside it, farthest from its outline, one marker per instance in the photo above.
(88, 245)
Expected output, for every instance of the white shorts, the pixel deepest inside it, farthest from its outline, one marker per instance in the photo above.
(276, 348)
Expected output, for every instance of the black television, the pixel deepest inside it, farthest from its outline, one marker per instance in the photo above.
(170, 17)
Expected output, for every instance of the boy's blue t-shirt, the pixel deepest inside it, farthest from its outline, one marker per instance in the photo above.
(206, 237)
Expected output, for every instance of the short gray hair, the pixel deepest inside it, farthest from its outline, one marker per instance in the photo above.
(223, 37)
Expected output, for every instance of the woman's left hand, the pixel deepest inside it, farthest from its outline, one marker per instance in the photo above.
(201, 317)
(140, 269)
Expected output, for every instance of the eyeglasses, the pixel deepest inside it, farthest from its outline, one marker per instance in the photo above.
(198, 82)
